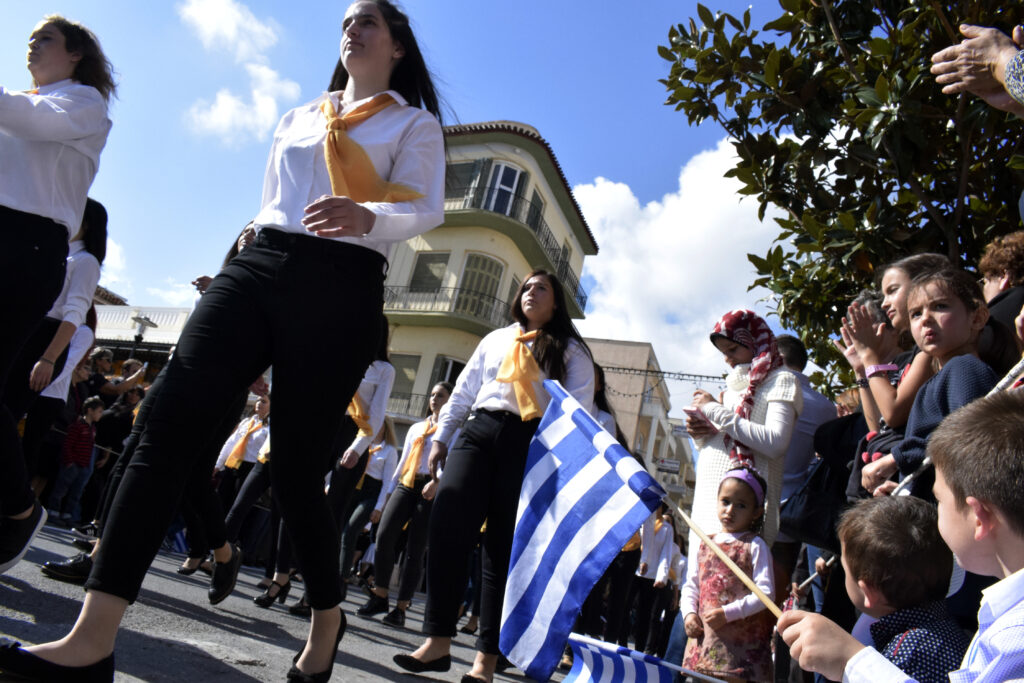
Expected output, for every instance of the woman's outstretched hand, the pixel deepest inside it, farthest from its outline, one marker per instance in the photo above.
(331, 216)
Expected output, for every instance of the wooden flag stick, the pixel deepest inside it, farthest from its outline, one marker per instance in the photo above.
(747, 581)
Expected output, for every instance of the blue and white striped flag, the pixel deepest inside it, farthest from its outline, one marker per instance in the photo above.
(583, 497)
(598, 662)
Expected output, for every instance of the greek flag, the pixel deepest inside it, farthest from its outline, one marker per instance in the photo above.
(583, 497)
(594, 661)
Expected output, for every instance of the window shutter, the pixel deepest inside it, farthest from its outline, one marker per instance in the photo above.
(482, 176)
(519, 203)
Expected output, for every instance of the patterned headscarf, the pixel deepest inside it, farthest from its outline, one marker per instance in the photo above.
(750, 330)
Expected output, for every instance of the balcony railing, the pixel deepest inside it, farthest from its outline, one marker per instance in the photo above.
(475, 305)
(525, 211)
(408, 405)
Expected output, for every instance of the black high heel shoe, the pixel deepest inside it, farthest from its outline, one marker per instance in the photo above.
(267, 598)
(294, 674)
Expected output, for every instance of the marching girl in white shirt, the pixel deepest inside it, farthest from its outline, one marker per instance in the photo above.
(50, 143)
(305, 297)
(500, 399)
(410, 497)
(364, 418)
(48, 351)
(652, 575)
(368, 498)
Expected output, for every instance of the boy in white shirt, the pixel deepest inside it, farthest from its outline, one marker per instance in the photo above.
(978, 453)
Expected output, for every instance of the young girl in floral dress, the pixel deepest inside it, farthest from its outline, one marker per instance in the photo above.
(731, 629)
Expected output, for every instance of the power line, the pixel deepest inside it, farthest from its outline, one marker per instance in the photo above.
(662, 374)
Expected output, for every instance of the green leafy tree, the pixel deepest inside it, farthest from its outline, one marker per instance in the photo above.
(848, 144)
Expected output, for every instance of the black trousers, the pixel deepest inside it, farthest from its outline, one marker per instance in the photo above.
(311, 308)
(32, 266)
(620, 575)
(254, 486)
(405, 506)
(357, 514)
(482, 478)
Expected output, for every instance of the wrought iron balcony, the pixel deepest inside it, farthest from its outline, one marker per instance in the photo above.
(411, 406)
(478, 307)
(519, 208)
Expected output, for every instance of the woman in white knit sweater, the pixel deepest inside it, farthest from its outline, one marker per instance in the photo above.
(753, 423)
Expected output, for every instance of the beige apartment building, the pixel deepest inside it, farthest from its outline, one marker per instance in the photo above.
(639, 397)
(508, 210)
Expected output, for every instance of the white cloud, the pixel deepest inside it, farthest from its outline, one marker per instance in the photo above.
(113, 276)
(669, 269)
(174, 294)
(236, 121)
(227, 25)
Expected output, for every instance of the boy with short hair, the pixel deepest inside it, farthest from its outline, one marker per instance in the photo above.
(76, 461)
(897, 570)
(978, 453)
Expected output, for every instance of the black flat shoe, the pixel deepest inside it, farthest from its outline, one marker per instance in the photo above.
(17, 662)
(72, 570)
(301, 608)
(189, 571)
(396, 618)
(468, 678)
(410, 663)
(294, 674)
(375, 605)
(225, 574)
(268, 598)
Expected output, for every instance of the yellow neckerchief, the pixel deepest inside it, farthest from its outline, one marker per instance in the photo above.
(237, 454)
(360, 414)
(412, 463)
(362, 477)
(633, 543)
(519, 368)
(348, 165)
(264, 455)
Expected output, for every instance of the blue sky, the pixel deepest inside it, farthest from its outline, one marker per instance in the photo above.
(179, 184)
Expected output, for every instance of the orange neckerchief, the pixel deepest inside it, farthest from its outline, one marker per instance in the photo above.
(412, 463)
(520, 369)
(348, 165)
(360, 414)
(238, 452)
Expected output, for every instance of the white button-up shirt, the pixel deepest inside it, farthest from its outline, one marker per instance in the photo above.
(80, 280)
(479, 388)
(404, 143)
(50, 146)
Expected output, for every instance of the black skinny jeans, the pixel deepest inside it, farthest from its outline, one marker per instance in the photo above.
(620, 575)
(482, 478)
(32, 265)
(311, 308)
(406, 505)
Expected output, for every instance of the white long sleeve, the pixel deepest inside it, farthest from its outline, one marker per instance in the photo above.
(80, 280)
(771, 438)
(763, 578)
(478, 387)
(374, 391)
(689, 597)
(382, 467)
(657, 554)
(50, 144)
(405, 145)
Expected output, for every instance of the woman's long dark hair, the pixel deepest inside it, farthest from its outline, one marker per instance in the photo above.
(553, 340)
(411, 78)
(93, 68)
(94, 229)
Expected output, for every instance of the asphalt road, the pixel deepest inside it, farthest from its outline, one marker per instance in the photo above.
(172, 633)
